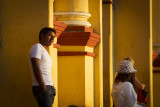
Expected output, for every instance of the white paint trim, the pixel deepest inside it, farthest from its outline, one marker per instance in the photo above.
(70, 14)
(156, 45)
(77, 23)
(156, 68)
(157, 51)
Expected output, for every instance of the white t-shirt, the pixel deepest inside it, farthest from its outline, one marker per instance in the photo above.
(124, 95)
(38, 51)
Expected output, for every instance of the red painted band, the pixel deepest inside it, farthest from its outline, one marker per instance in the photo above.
(71, 53)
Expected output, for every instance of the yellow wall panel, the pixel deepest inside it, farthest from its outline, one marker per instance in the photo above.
(133, 39)
(21, 21)
(71, 80)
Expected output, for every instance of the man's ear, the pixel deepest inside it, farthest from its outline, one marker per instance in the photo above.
(42, 36)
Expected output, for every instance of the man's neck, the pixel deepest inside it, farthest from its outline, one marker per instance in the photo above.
(45, 47)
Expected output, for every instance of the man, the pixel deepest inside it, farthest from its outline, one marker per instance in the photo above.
(41, 67)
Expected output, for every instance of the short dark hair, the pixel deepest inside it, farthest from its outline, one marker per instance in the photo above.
(45, 31)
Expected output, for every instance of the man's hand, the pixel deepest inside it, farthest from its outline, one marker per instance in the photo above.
(44, 88)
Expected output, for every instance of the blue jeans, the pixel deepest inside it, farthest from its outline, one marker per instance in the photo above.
(44, 99)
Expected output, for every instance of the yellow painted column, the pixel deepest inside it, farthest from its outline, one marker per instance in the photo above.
(107, 53)
(95, 9)
(72, 12)
(151, 56)
(53, 54)
(21, 21)
(133, 38)
(155, 10)
(75, 13)
(89, 79)
(155, 25)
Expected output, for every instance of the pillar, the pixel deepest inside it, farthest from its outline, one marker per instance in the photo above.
(59, 27)
(76, 54)
(75, 66)
(72, 12)
(107, 52)
(95, 9)
(155, 9)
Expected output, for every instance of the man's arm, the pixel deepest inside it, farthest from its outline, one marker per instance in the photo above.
(37, 72)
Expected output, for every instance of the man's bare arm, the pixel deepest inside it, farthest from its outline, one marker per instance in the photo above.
(37, 72)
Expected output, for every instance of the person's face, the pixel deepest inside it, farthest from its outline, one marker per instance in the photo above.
(48, 39)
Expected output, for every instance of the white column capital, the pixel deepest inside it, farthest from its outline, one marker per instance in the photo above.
(72, 18)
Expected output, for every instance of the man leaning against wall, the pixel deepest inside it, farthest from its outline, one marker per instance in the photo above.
(41, 67)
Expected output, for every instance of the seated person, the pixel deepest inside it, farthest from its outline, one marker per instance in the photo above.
(124, 91)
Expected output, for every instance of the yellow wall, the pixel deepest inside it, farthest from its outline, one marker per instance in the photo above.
(21, 21)
(132, 38)
(95, 6)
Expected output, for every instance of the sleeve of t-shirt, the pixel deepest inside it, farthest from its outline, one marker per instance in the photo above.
(36, 51)
(131, 95)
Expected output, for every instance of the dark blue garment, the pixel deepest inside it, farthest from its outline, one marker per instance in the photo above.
(44, 99)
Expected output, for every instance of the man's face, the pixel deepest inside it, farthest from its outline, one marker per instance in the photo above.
(48, 39)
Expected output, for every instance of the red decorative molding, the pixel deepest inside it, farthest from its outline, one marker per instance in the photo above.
(91, 54)
(78, 28)
(78, 39)
(56, 46)
(156, 62)
(72, 53)
(60, 24)
(108, 2)
(156, 71)
(59, 27)
(154, 56)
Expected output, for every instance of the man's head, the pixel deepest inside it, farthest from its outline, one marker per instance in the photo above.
(46, 36)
